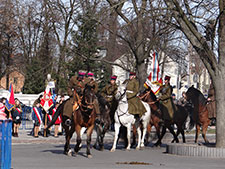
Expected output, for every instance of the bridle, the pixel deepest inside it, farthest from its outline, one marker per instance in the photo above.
(146, 95)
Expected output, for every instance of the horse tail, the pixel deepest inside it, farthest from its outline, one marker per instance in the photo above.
(59, 110)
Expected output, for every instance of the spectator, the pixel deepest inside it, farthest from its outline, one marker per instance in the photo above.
(16, 116)
(2, 110)
(58, 121)
(175, 101)
(37, 118)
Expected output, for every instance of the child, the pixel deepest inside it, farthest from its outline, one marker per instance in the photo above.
(37, 118)
(16, 116)
(58, 121)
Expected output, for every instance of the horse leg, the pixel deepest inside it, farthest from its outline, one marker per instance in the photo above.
(89, 133)
(183, 135)
(101, 142)
(173, 133)
(197, 132)
(161, 136)
(69, 134)
(180, 129)
(204, 130)
(143, 134)
(149, 128)
(98, 131)
(134, 136)
(117, 129)
(78, 131)
(128, 136)
(139, 138)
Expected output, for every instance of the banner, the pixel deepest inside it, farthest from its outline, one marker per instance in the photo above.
(47, 101)
(9, 104)
(154, 80)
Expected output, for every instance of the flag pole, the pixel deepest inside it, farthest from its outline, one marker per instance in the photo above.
(45, 131)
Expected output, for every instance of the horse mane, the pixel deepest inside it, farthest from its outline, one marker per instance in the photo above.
(198, 94)
(153, 96)
(101, 100)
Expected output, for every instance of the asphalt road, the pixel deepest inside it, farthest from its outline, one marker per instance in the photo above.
(50, 156)
(47, 153)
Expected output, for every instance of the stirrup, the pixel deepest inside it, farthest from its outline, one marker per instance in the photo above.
(68, 122)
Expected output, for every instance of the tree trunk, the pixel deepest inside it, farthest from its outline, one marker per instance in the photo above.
(142, 73)
(220, 110)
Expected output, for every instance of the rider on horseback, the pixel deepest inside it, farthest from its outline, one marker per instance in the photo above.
(168, 107)
(75, 88)
(135, 106)
(91, 82)
(109, 91)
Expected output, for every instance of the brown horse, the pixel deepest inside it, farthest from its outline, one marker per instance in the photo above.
(179, 117)
(83, 118)
(200, 113)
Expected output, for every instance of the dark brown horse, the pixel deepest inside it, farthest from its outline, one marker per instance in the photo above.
(179, 117)
(105, 122)
(200, 113)
(83, 118)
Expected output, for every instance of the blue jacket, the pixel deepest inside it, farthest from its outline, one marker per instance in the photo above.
(34, 116)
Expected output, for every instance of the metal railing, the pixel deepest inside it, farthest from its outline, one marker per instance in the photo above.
(5, 143)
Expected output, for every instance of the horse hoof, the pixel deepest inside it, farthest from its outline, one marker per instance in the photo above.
(69, 153)
(137, 148)
(128, 149)
(112, 150)
(101, 149)
(89, 156)
(157, 145)
(94, 146)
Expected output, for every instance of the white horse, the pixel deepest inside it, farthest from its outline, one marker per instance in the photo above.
(123, 117)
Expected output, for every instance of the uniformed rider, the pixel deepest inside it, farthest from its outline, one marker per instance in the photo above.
(165, 97)
(75, 88)
(135, 105)
(89, 80)
(109, 91)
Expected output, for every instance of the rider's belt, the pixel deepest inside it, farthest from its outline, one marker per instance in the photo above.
(129, 91)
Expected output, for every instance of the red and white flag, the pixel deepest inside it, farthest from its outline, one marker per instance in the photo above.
(154, 80)
(47, 101)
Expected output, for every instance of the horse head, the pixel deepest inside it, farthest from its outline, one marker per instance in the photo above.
(121, 91)
(194, 95)
(88, 96)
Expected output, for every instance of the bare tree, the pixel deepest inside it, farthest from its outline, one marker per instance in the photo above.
(189, 16)
(144, 27)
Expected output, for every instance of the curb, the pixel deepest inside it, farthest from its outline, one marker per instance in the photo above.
(195, 150)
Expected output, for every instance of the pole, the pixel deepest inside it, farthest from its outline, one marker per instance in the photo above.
(45, 131)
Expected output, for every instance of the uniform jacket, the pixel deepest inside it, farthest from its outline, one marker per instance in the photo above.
(34, 116)
(17, 111)
(109, 92)
(168, 106)
(135, 105)
(76, 85)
